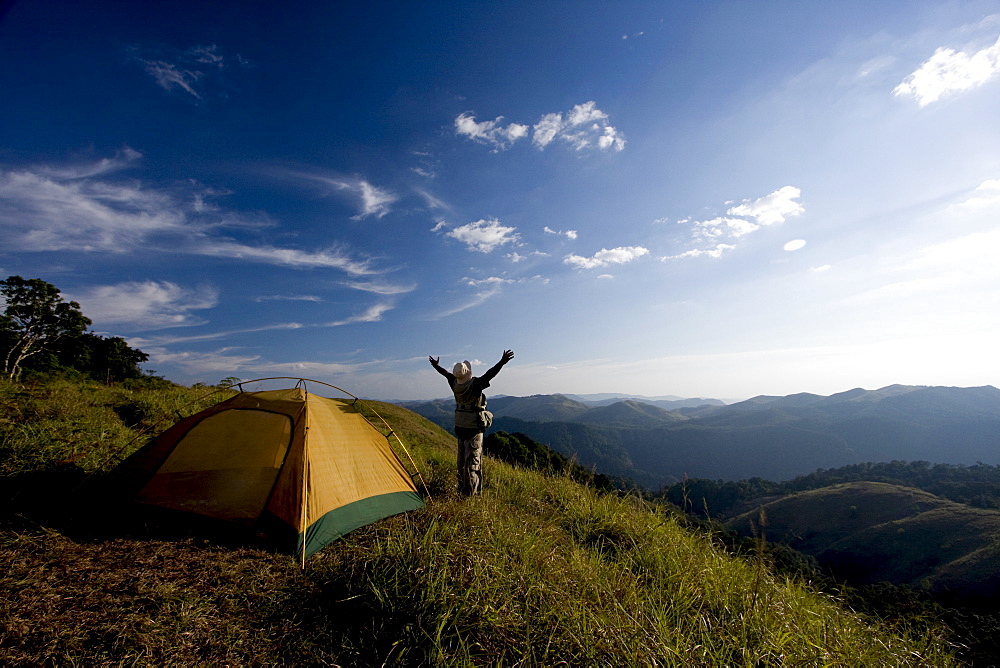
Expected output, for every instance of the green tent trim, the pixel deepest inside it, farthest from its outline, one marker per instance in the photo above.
(345, 519)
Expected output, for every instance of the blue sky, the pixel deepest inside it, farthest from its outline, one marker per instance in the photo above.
(717, 199)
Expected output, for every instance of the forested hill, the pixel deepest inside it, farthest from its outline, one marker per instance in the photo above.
(776, 438)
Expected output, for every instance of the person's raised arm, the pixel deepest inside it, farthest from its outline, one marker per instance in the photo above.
(437, 366)
(507, 356)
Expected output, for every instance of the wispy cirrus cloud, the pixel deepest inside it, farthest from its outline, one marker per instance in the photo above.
(380, 287)
(723, 232)
(185, 70)
(583, 127)
(146, 305)
(948, 71)
(371, 314)
(607, 257)
(288, 298)
(372, 200)
(82, 208)
(483, 235)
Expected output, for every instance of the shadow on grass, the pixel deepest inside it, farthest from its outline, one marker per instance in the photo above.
(90, 508)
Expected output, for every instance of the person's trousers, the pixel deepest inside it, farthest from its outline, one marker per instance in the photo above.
(470, 465)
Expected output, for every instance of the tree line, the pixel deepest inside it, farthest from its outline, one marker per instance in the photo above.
(41, 332)
(977, 485)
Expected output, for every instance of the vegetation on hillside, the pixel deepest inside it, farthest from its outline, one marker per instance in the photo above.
(538, 570)
(977, 485)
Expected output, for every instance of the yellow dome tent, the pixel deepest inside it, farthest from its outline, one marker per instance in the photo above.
(282, 461)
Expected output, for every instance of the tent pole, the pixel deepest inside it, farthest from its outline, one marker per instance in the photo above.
(305, 484)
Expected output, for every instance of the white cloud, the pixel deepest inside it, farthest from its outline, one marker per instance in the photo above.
(772, 208)
(161, 340)
(145, 305)
(987, 195)
(516, 257)
(380, 287)
(372, 200)
(168, 76)
(569, 234)
(289, 257)
(221, 361)
(288, 298)
(795, 244)
(484, 235)
(724, 227)
(821, 268)
(948, 71)
(606, 257)
(372, 314)
(546, 129)
(491, 133)
(70, 209)
(583, 127)
(740, 221)
(715, 252)
(492, 280)
(173, 69)
(476, 300)
(375, 201)
(432, 201)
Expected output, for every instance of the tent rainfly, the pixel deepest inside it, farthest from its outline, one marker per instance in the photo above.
(286, 462)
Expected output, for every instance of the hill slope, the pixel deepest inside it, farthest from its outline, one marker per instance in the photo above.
(871, 532)
(538, 570)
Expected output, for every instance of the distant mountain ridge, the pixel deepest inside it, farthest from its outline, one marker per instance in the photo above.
(774, 437)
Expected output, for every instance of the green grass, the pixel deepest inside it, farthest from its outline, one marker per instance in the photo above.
(536, 571)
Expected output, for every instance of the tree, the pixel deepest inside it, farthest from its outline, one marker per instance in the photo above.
(35, 319)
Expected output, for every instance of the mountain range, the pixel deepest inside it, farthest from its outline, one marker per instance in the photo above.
(662, 440)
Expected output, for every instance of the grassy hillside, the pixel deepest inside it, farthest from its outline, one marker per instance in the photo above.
(871, 532)
(536, 571)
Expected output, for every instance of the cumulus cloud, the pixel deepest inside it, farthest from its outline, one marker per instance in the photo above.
(82, 209)
(740, 220)
(724, 227)
(516, 257)
(986, 195)
(491, 133)
(582, 127)
(606, 257)
(569, 234)
(485, 235)
(948, 71)
(145, 305)
(772, 208)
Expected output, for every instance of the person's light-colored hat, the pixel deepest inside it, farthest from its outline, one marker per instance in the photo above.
(462, 371)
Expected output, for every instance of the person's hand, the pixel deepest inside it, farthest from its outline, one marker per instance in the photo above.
(434, 362)
(508, 355)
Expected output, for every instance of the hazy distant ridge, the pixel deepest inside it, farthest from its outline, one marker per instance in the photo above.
(774, 437)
